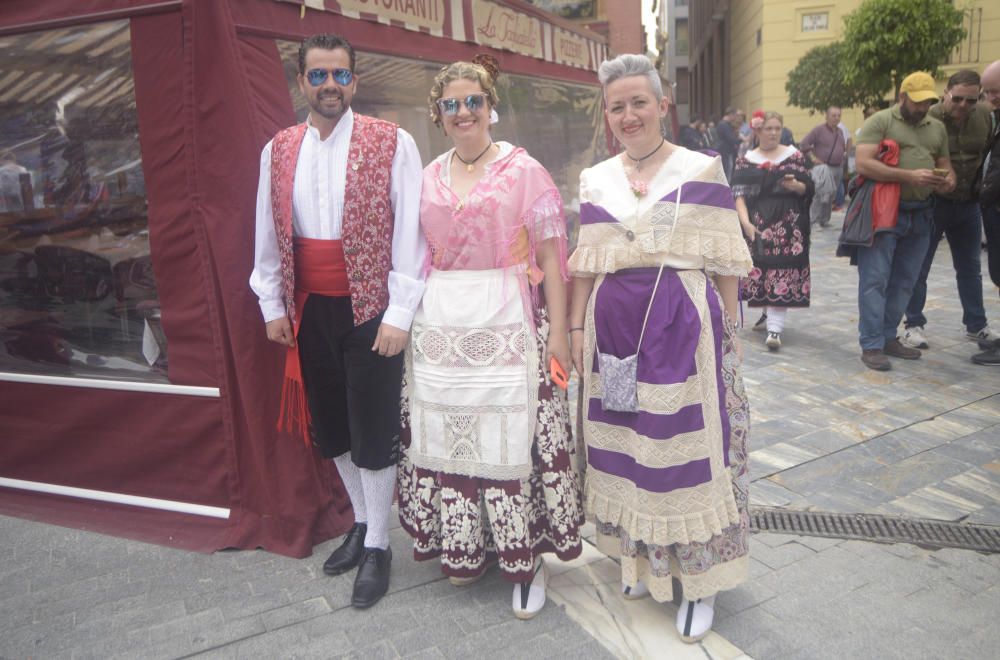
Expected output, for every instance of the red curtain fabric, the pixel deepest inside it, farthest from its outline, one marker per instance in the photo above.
(201, 129)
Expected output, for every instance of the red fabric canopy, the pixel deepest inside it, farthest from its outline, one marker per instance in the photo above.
(210, 91)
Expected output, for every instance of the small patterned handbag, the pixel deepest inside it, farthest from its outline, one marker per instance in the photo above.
(619, 376)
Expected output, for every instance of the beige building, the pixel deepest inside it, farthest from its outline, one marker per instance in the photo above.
(757, 42)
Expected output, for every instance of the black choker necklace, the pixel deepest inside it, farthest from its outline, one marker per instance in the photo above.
(471, 164)
(638, 161)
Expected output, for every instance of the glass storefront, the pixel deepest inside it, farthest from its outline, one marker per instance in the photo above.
(560, 123)
(77, 291)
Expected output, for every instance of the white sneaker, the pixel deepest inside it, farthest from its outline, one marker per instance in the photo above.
(694, 619)
(640, 590)
(914, 337)
(529, 598)
(985, 335)
(773, 341)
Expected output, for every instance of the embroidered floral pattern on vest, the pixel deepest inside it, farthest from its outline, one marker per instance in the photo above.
(368, 218)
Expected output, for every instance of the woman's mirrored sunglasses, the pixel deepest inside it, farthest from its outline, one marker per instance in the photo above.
(450, 106)
(317, 77)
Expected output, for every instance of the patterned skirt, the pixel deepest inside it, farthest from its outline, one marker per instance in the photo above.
(667, 487)
(470, 521)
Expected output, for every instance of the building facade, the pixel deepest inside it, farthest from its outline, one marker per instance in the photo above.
(741, 52)
(674, 50)
(619, 21)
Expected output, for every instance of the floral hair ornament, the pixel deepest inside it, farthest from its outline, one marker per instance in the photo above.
(757, 119)
(492, 67)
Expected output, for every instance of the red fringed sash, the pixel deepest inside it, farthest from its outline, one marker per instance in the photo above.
(319, 268)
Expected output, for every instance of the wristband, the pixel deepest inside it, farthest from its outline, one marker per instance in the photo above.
(576, 329)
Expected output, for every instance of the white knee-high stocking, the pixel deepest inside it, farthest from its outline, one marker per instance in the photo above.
(379, 487)
(350, 474)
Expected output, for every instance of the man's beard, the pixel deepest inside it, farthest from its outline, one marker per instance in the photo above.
(322, 111)
(911, 116)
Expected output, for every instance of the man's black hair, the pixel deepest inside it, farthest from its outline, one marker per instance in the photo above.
(324, 42)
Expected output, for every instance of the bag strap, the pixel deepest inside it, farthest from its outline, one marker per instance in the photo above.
(656, 285)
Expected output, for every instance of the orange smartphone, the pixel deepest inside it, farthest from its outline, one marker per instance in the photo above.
(558, 374)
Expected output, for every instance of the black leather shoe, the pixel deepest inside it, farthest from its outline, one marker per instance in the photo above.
(372, 580)
(349, 553)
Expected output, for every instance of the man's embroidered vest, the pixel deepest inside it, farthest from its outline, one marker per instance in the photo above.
(366, 230)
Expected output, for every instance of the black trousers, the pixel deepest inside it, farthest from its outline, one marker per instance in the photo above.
(352, 391)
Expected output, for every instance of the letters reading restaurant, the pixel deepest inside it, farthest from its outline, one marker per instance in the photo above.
(138, 394)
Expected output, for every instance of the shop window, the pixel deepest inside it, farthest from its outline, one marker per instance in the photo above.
(560, 123)
(681, 40)
(77, 290)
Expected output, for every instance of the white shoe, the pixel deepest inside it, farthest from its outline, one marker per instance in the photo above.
(985, 335)
(694, 619)
(640, 590)
(914, 337)
(773, 341)
(529, 598)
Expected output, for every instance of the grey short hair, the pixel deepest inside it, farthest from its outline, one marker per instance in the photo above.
(627, 65)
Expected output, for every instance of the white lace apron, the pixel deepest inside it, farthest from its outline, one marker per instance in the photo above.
(472, 384)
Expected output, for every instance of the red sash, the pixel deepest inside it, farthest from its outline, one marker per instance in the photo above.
(319, 268)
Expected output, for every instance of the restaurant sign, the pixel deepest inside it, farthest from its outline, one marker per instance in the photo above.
(419, 13)
(570, 48)
(502, 27)
(493, 23)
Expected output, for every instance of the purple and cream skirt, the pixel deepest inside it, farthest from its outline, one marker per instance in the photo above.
(663, 477)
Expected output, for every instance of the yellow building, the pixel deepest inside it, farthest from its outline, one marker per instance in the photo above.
(767, 38)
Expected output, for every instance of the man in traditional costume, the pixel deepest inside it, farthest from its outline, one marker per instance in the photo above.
(338, 262)
(665, 415)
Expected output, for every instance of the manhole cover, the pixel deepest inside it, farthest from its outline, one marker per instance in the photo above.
(874, 527)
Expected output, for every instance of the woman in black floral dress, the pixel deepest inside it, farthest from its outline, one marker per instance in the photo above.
(773, 191)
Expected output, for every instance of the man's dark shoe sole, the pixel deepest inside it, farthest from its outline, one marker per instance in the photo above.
(987, 359)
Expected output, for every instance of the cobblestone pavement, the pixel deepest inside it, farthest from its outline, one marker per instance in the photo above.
(829, 434)
(921, 440)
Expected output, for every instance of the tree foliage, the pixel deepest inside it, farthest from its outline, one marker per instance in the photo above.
(884, 41)
(817, 81)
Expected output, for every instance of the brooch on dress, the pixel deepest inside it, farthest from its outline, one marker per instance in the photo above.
(639, 188)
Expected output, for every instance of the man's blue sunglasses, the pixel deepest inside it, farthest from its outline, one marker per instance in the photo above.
(317, 77)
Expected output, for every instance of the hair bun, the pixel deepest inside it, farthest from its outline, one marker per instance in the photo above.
(488, 62)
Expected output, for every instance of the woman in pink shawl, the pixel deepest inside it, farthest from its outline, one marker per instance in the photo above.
(487, 472)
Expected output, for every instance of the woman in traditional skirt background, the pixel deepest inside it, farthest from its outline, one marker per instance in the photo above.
(666, 481)
(488, 471)
(773, 192)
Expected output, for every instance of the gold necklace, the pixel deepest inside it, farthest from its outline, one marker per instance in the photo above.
(471, 164)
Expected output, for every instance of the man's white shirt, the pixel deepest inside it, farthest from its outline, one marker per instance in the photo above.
(318, 210)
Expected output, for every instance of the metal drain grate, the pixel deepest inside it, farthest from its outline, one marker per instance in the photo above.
(878, 528)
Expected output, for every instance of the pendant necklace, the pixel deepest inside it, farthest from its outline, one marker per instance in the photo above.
(471, 164)
(638, 161)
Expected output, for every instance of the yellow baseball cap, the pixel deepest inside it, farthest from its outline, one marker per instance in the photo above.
(919, 87)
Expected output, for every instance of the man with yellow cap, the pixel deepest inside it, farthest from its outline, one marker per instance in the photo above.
(888, 269)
